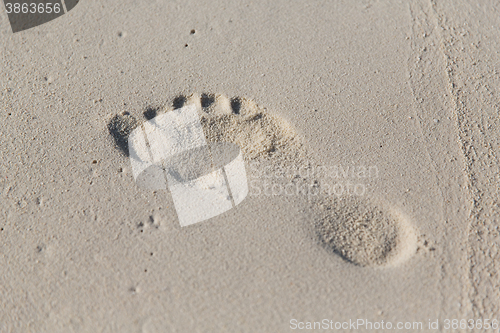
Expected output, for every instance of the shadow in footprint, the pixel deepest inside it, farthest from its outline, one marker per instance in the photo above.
(179, 102)
(236, 105)
(120, 126)
(150, 112)
(207, 100)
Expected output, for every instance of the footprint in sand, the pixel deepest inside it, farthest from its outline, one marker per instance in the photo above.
(366, 233)
(238, 120)
(361, 231)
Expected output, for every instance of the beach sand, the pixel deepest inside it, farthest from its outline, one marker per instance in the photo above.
(394, 103)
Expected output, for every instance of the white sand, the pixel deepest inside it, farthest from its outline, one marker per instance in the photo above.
(410, 90)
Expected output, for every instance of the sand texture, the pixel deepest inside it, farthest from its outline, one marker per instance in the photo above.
(370, 135)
